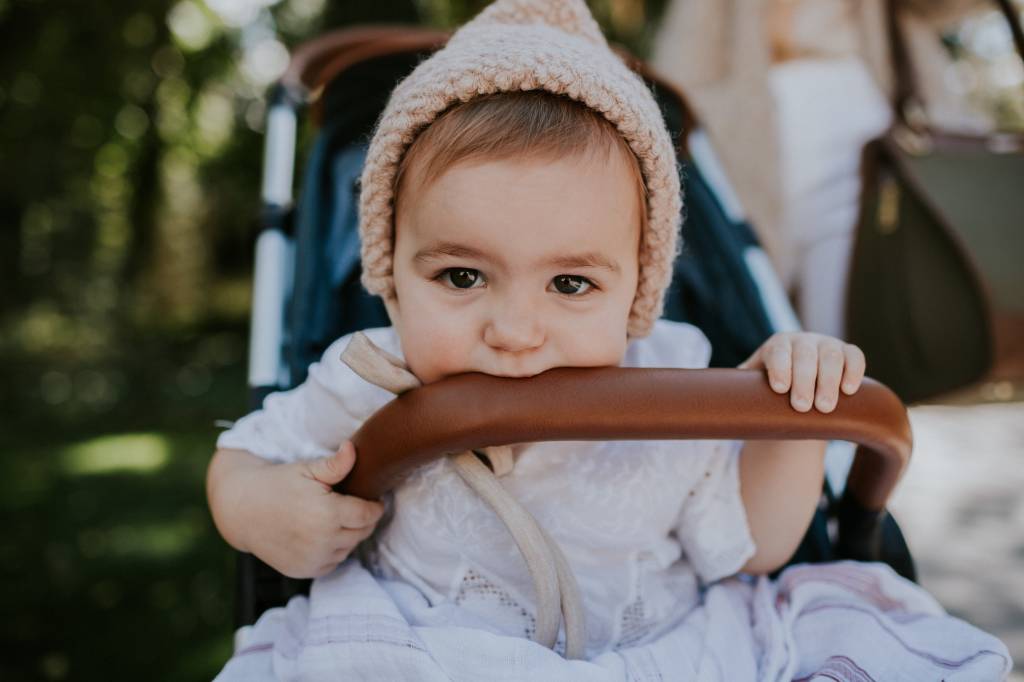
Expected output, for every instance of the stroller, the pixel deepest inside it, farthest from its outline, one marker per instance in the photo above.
(307, 293)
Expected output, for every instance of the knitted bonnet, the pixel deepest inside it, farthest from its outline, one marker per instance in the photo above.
(513, 45)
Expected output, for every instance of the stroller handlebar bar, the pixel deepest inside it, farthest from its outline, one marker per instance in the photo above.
(316, 62)
(472, 411)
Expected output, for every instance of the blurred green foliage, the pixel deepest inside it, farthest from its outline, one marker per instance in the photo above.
(130, 143)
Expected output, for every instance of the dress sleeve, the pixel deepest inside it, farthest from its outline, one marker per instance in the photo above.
(313, 419)
(712, 526)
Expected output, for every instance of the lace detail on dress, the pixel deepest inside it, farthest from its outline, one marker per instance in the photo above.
(475, 587)
(635, 623)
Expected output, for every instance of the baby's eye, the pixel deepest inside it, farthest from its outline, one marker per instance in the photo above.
(572, 285)
(461, 278)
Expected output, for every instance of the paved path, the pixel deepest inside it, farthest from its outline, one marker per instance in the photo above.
(961, 505)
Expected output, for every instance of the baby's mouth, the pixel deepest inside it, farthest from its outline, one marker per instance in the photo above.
(520, 373)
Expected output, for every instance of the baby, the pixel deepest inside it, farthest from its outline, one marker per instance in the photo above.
(519, 212)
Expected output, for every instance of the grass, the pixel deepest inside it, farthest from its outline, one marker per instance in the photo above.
(110, 567)
(113, 572)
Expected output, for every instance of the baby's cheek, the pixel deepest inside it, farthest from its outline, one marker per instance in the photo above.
(433, 351)
(605, 350)
(599, 344)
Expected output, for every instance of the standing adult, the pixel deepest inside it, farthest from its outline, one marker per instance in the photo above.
(789, 91)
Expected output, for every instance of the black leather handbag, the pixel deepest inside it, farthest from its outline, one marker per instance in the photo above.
(936, 289)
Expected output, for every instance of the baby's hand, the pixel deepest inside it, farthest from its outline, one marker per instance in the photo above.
(812, 367)
(297, 523)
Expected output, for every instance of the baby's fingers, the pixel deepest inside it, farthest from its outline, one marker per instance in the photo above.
(346, 540)
(856, 365)
(355, 513)
(830, 371)
(777, 356)
(341, 545)
(805, 371)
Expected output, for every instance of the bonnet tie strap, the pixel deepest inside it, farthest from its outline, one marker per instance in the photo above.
(558, 595)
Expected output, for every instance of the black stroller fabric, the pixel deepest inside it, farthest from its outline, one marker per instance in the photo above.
(711, 286)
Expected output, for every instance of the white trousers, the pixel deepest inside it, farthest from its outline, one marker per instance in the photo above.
(827, 110)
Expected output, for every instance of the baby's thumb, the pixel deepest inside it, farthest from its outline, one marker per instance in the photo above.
(334, 469)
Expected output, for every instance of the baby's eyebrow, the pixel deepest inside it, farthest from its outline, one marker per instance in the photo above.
(583, 260)
(452, 249)
(589, 259)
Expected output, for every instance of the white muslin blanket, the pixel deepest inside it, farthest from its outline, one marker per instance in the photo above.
(843, 621)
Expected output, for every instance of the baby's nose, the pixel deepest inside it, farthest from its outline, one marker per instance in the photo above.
(514, 328)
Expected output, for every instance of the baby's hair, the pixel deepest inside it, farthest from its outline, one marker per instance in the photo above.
(507, 125)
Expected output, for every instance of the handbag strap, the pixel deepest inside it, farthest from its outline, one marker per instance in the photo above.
(558, 594)
(906, 93)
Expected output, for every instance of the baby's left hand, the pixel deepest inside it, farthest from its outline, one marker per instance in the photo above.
(812, 367)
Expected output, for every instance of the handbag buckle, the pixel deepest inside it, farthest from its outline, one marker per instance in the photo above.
(888, 205)
(911, 141)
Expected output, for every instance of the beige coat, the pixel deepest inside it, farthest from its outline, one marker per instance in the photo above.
(720, 52)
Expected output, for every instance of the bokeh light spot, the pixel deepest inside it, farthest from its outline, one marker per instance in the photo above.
(215, 120)
(168, 62)
(143, 453)
(54, 666)
(190, 25)
(26, 88)
(55, 387)
(265, 61)
(131, 121)
(111, 160)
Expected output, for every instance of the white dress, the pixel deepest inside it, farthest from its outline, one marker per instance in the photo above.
(646, 526)
(639, 521)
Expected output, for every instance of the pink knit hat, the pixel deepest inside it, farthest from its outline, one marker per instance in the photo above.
(551, 45)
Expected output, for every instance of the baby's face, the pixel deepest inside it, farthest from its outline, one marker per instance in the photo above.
(513, 267)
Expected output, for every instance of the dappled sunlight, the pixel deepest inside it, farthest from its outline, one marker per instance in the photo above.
(192, 27)
(215, 121)
(142, 453)
(150, 541)
(113, 530)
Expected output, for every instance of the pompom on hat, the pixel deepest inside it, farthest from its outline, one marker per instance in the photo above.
(513, 45)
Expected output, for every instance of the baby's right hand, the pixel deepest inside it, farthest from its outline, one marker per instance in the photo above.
(297, 524)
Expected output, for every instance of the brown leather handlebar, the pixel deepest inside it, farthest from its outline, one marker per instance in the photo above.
(316, 62)
(471, 411)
